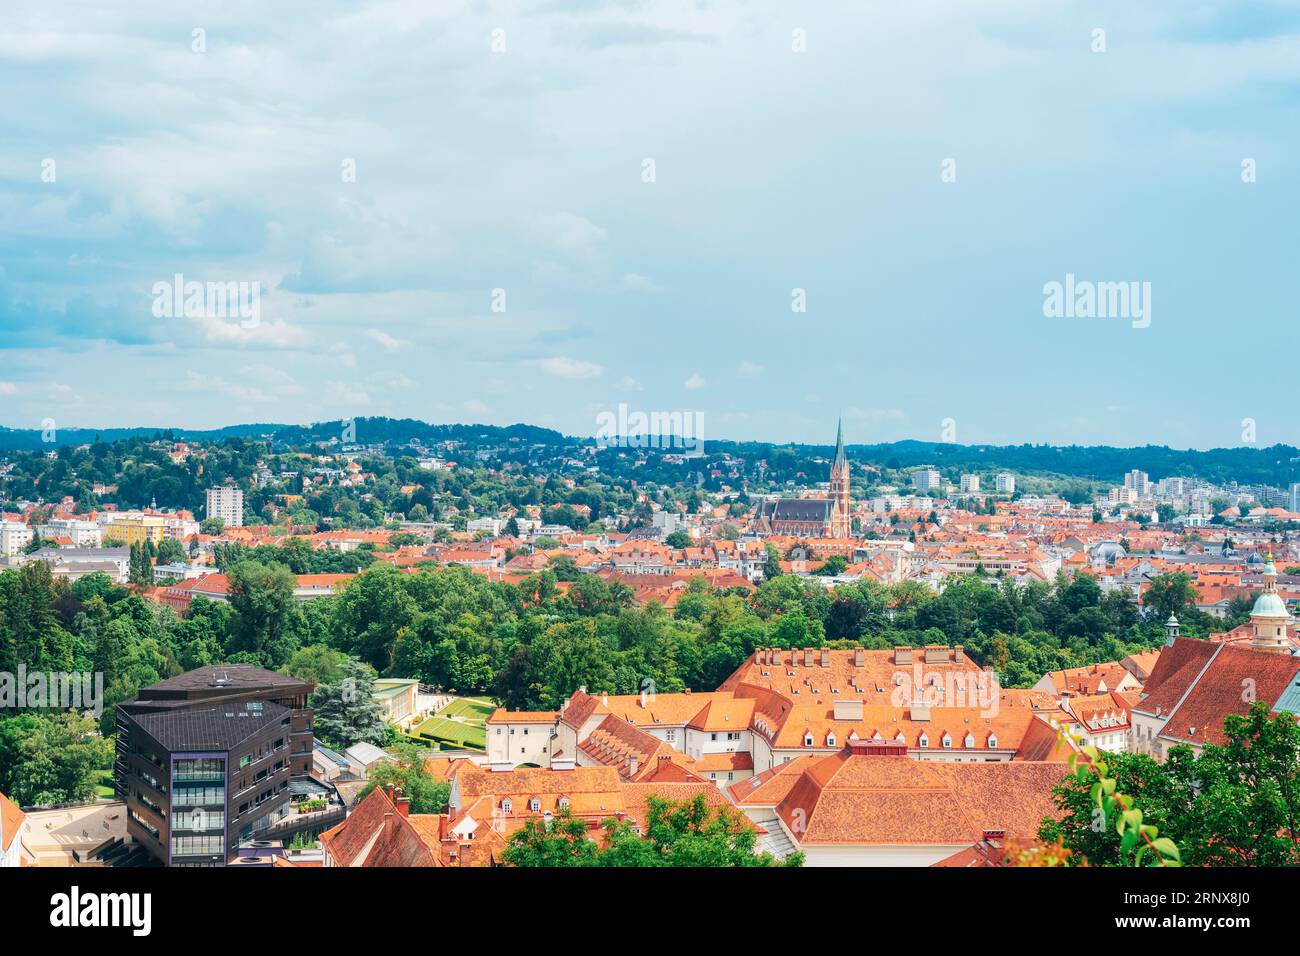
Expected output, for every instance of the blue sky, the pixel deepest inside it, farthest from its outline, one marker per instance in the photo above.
(775, 170)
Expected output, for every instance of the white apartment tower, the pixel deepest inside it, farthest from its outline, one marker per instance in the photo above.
(970, 483)
(926, 479)
(227, 503)
(1138, 482)
(1006, 482)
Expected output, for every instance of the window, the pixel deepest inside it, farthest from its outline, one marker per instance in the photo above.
(993, 741)
(808, 739)
(947, 741)
(969, 741)
(534, 804)
(564, 803)
(830, 739)
(925, 741)
(506, 805)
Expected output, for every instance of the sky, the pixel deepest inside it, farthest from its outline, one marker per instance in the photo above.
(762, 213)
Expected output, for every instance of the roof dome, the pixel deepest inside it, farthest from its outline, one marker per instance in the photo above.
(1270, 604)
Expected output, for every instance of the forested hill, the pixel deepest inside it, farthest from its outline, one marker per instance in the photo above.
(1276, 464)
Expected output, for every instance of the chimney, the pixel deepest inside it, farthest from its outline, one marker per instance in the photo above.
(758, 657)
(643, 698)
(632, 766)
(959, 653)
(807, 657)
(859, 656)
(826, 657)
(402, 803)
(604, 697)
(902, 656)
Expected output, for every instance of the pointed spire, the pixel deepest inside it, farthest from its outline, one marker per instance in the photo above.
(841, 459)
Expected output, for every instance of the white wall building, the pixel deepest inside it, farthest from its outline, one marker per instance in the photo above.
(14, 536)
(226, 503)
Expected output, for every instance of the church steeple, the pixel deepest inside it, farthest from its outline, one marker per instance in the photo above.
(841, 522)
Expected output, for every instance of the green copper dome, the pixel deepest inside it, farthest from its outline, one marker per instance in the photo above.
(1270, 605)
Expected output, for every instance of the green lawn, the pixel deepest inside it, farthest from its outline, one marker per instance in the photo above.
(104, 783)
(471, 709)
(452, 731)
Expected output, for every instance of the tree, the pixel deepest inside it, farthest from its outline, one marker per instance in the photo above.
(171, 551)
(265, 610)
(687, 833)
(1237, 804)
(1170, 594)
(345, 709)
(832, 566)
(51, 757)
(772, 562)
(407, 772)
(318, 664)
(678, 539)
(560, 841)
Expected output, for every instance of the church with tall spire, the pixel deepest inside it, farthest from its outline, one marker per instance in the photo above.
(812, 517)
(841, 521)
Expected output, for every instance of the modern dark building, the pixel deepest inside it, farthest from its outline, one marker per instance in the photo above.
(212, 759)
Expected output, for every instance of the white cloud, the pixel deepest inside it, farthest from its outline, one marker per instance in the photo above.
(389, 343)
(694, 383)
(749, 369)
(640, 283)
(570, 368)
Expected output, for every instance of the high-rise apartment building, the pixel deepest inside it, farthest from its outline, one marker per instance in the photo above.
(226, 503)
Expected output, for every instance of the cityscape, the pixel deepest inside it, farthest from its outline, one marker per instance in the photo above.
(463, 443)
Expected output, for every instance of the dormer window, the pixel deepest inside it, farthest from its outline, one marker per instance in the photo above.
(506, 805)
(925, 740)
(970, 741)
(534, 804)
(564, 803)
(993, 741)
(830, 739)
(808, 739)
(947, 741)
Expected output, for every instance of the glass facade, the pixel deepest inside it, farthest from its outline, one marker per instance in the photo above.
(199, 768)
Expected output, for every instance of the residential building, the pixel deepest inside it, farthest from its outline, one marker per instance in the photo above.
(208, 760)
(226, 503)
(970, 484)
(14, 536)
(1138, 482)
(927, 479)
(11, 825)
(1005, 483)
(516, 737)
(867, 805)
(132, 529)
